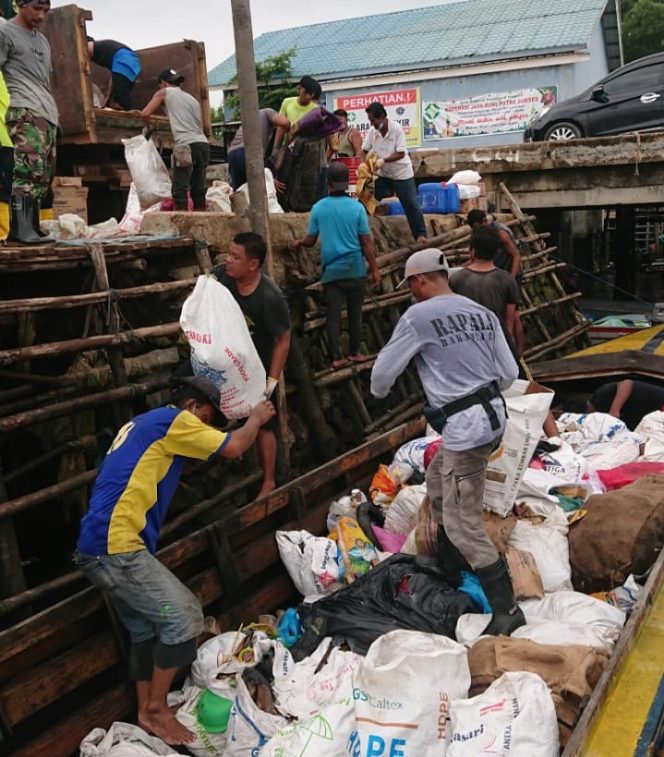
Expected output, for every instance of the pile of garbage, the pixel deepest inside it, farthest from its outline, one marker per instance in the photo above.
(383, 657)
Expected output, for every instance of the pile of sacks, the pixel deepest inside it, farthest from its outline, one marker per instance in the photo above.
(383, 657)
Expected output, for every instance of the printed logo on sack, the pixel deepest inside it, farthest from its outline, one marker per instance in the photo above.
(237, 363)
(194, 336)
(380, 703)
(377, 746)
(443, 714)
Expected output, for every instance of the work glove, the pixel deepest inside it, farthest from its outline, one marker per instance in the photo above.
(270, 386)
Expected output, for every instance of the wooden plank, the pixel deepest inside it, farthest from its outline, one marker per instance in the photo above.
(34, 689)
(70, 78)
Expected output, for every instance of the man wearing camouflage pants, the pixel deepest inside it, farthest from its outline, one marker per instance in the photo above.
(32, 119)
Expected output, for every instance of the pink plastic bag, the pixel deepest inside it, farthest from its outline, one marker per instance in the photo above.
(431, 451)
(388, 541)
(626, 474)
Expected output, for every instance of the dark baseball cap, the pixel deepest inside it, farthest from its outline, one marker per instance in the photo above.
(203, 391)
(337, 176)
(170, 75)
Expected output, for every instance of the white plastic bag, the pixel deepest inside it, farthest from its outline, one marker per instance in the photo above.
(306, 687)
(468, 191)
(547, 543)
(218, 197)
(412, 452)
(133, 216)
(572, 606)
(250, 728)
(465, 177)
(272, 201)
(311, 561)
(148, 171)
(123, 740)
(514, 716)
(221, 347)
(403, 692)
(215, 658)
(401, 516)
(526, 414)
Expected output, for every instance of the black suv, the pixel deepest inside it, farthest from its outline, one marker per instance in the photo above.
(629, 99)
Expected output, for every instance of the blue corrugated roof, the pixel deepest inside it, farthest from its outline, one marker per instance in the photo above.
(439, 35)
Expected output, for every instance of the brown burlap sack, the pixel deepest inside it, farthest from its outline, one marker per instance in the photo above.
(570, 672)
(622, 533)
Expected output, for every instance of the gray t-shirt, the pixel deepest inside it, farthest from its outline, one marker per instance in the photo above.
(265, 116)
(459, 347)
(184, 113)
(25, 61)
(494, 289)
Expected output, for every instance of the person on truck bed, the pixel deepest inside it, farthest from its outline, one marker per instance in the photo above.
(191, 153)
(119, 533)
(32, 118)
(124, 65)
(463, 361)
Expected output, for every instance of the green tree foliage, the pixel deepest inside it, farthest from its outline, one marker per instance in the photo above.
(273, 75)
(643, 27)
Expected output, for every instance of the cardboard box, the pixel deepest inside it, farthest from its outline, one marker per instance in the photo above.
(70, 200)
(67, 181)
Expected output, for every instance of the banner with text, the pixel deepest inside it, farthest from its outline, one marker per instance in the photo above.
(495, 113)
(402, 105)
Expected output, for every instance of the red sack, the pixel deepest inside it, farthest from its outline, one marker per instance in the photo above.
(626, 474)
(431, 451)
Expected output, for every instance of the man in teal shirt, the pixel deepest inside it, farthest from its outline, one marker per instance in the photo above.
(343, 226)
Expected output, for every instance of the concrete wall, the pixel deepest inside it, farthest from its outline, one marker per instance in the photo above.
(570, 79)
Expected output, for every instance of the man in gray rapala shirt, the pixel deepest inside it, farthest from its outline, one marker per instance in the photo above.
(191, 153)
(32, 118)
(463, 361)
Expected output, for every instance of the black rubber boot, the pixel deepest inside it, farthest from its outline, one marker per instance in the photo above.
(21, 225)
(497, 585)
(36, 223)
(451, 561)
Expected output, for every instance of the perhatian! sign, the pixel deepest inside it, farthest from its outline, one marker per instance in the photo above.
(402, 106)
(495, 113)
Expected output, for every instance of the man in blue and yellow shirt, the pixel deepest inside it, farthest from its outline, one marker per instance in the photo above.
(119, 534)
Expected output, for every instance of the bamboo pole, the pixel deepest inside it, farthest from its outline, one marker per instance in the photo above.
(55, 349)
(35, 379)
(537, 352)
(66, 302)
(60, 409)
(19, 504)
(330, 377)
(550, 303)
(367, 307)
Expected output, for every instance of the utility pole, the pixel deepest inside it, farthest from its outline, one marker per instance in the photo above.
(253, 147)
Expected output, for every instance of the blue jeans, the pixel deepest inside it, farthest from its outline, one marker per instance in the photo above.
(237, 168)
(406, 191)
(153, 605)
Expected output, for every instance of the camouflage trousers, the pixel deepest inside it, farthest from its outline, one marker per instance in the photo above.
(34, 152)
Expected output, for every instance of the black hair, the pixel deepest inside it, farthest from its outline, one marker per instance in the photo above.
(475, 216)
(376, 110)
(254, 245)
(182, 393)
(341, 112)
(310, 85)
(485, 243)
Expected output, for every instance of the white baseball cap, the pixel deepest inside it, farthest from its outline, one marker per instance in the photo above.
(424, 261)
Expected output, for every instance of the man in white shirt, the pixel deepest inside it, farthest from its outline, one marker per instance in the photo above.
(463, 362)
(396, 176)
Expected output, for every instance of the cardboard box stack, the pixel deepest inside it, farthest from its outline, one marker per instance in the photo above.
(70, 196)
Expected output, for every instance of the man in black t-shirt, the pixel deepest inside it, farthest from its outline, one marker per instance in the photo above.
(628, 400)
(124, 65)
(266, 311)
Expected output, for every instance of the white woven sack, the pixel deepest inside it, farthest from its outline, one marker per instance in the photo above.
(221, 347)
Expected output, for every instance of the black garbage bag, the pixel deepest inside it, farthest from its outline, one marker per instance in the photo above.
(404, 591)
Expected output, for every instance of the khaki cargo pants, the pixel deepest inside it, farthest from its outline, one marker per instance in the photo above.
(455, 486)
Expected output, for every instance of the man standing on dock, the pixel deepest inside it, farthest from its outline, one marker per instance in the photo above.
(463, 361)
(32, 118)
(120, 530)
(191, 153)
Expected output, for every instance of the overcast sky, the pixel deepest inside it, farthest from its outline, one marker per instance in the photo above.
(147, 23)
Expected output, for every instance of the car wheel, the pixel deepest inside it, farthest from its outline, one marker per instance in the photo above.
(562, 132)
